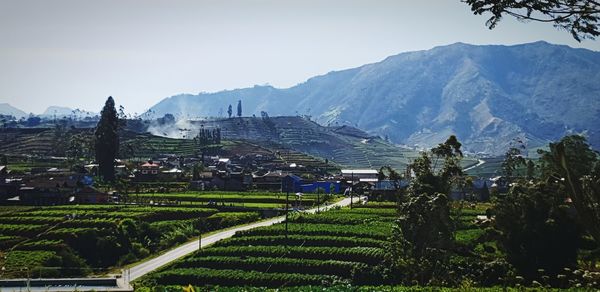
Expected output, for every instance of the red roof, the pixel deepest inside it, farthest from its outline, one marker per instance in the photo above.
(148, 164)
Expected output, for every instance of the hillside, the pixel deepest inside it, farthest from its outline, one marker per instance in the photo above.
(295, 139)
(9, 110)
(487, 95)
(343, 145)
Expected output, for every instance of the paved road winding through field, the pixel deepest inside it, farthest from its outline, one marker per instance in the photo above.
(144, 268)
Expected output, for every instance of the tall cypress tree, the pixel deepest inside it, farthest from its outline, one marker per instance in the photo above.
(107, 140)
(239, 109)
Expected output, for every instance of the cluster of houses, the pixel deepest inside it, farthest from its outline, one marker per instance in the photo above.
(238, 173)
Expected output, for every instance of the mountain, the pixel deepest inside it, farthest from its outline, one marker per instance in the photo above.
(60, 112)
(7, 109)
(487, 95)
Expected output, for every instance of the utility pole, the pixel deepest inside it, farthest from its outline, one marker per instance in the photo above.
(287, 198)
(200, 238)
(352, 190)
(318, 196)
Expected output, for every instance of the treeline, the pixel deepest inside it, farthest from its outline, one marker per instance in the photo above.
(542, 232)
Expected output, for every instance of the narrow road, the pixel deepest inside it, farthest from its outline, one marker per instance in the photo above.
(480, 162)
(144, 268)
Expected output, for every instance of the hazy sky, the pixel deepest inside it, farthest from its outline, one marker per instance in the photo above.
(76, 53)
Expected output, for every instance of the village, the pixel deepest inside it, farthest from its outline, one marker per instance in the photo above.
(239, 173)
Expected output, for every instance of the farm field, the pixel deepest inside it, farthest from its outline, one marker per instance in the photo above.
(233, 199)
(338, 246)
(77, 240)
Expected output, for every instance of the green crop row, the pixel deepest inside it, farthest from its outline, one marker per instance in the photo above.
(368, 211)
(377, 205)
(21, 229)
(374, 230)
(144, 213)
(368, 255)
(229, 199)
(203, 276)
(278, 265)
(7, 241)
(64, 233)
(30, 220)
(18, 259)
(44, 244)
(95, 223)
(302, 240)
(339, 218)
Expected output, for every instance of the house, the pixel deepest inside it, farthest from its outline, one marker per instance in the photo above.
(326, 187)
(388, 189)
(268, 181)
(291, 183)
(39, 196)
(3, 171)
(364, 175)
(90, 195)
(148, 171)
(478, 191)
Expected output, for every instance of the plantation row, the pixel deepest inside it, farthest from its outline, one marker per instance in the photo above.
(307, 199)
(328, 248)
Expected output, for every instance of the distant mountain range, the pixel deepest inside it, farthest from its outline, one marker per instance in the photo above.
(50, 112)
(487, 95)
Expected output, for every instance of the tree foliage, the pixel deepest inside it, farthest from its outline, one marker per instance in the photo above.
(239, 108)
(575, 165)
(512, 160)
(424, 230)
(579, 17)
(537, 231)
(107, 140)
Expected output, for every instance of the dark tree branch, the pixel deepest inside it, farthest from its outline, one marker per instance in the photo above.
(579, 17)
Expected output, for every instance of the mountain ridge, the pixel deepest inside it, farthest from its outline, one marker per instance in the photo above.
(488, 95)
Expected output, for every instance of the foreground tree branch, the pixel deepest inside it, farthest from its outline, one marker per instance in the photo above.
(579, 17)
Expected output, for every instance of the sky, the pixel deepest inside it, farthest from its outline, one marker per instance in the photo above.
(76, 53)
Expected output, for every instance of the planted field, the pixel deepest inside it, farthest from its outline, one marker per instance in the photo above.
(242, 199)
(76, 240)
(337, 246)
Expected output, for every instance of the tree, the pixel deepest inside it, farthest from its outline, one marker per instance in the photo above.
(572, 163)
(536, 228)
(167, 119)
(33, 121)
(423, 233)
(229, 111)
(107, 140)
(579, 17)
(512, 160)
(239, 108)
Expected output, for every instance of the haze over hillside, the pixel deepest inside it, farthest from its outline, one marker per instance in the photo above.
(9, 110)
(487, 95)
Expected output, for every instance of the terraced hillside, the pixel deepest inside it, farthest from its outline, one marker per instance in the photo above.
(334, 247)
(344, 145)
(37, 141)
(293, 140)
(48, 141)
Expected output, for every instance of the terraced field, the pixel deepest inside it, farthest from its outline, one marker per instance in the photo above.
(27, 141)
(76, 240)
(334, 247)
